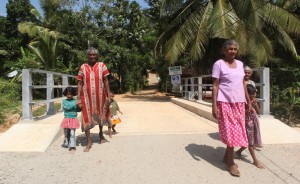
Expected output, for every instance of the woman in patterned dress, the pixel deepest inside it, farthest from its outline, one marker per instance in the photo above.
(93, 89)
(252, 128)
(229, 98)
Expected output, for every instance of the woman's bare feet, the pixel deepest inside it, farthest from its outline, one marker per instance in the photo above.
(233, 170)
(239, 154)
(102, 139)
(87, 147)
(226, 162)
(258, 164)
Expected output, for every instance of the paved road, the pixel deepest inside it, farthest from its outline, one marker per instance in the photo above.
(158, 142)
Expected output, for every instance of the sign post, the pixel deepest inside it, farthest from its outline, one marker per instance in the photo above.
(175, 72)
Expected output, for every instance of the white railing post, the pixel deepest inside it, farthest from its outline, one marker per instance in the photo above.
(65, 82)
(192, 93)
(186, 93)
(265, 90)
(50, 93)
(200, 88)
(26, 94)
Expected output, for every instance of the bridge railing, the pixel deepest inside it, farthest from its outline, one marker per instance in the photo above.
(49, 85)
(200, 87)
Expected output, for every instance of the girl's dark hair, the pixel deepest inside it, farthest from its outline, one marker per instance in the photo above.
(71, 90)
(251, 89)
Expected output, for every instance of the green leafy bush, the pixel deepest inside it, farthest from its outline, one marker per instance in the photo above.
(285, 94)
(10, 98)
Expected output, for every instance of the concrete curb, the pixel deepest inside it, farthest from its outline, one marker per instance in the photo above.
(31, 136)
(273, 131)
(201, 108)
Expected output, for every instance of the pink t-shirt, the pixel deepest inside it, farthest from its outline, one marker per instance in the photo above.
(231, 81)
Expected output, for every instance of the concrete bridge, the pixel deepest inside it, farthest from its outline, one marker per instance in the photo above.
(160, 140)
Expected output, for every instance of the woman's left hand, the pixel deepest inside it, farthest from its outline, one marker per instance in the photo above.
(250, 109)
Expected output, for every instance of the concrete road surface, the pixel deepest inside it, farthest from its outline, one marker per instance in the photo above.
(158, 142)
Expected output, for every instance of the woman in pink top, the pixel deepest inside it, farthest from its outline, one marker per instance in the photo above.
(229, 98)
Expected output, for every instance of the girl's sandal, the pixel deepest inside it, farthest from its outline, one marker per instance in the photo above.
(233, 170)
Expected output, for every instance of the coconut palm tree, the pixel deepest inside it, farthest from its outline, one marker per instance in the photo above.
(255, 24)
(44, 37)
(44, 43)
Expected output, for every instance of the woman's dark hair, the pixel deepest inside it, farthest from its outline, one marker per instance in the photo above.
(71, 90)
(251, 89)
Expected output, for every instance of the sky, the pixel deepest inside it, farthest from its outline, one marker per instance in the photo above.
(36, 4)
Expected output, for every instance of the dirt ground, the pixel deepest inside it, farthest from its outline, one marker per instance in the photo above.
(9, 122)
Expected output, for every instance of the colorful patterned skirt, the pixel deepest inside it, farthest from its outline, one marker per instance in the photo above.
(70, 123)
(253, 130)
(231, 121)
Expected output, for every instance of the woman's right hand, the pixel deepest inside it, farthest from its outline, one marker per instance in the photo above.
(215, 112)
(79, 104)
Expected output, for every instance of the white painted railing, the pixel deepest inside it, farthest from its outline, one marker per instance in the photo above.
(200, 87)
(27, 87)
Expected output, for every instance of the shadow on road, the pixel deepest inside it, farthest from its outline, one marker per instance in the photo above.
(146, 98)
(81, 139)
(209, 154)
(214, 135)
(149, 93)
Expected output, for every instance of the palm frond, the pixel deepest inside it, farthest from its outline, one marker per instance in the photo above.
(201, 41)
(189, 11)
(283, 18)
(223, 21)
(242, 38)
(37, 52)
(36, 13)
(285, 40)
(170, 6)
(291, 5)
(29, 28)
(3, 52)
(260, 48)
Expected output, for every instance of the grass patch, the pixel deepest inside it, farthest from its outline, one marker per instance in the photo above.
(40, 111)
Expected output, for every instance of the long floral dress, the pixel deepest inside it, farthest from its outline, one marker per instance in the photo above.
(253, 129)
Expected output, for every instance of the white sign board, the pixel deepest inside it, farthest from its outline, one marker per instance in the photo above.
(175, 79)
(175, 70)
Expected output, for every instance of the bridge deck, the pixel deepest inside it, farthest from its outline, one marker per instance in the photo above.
(141, 117)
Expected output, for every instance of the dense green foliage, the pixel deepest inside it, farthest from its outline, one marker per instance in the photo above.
(58, 38)
(10, 98)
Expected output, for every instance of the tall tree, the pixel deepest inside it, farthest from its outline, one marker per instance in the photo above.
(123, 33)
(43, 34)
(11, 39)
(194, 24)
